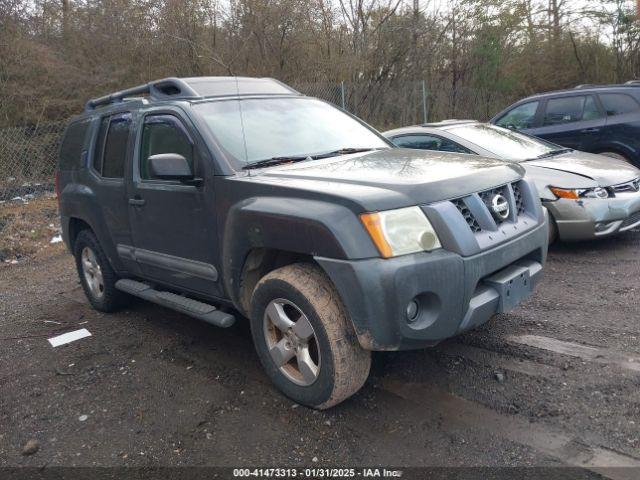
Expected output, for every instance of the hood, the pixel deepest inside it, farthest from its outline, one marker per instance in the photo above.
(605, 171)
(410, 176)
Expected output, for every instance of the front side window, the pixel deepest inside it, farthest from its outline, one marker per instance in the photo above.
(618, 103)
(502, 142)
(111, 146)
(163, 134)
(429, 142)
(570, 109)
(250, 130)
(523, 116)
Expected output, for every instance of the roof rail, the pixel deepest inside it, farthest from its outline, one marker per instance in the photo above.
(173, 88)
(585, 85)
(166, 88)
(635, 83)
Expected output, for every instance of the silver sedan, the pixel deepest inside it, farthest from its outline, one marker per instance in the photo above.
(588, 196)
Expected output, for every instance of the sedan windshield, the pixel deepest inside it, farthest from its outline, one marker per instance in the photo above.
(269, 130)
(505, 143)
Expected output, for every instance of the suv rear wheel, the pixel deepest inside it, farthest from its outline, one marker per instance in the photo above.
(304, 337)
(96, 275)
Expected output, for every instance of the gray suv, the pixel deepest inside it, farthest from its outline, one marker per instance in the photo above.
(225, 198)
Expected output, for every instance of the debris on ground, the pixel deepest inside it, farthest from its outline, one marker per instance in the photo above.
(31, 447)
(26, 229)
(69, 337)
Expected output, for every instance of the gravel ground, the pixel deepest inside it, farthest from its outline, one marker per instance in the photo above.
(553, 383)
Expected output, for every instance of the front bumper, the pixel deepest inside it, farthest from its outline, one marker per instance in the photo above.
(455, 293)
(592, 218)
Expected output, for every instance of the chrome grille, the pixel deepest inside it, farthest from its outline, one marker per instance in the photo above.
(487, 195)
(468, 216)
(632, 186)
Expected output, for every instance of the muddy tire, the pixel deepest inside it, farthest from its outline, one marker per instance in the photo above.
(96, 275)
(304, 337)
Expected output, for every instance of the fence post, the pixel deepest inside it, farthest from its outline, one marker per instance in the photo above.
(424, 101)
(342, 92)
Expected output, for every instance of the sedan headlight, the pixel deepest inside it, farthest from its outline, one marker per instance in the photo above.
(578, 193)
(401, 231)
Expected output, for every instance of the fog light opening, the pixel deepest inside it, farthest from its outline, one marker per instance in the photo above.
(413, 309)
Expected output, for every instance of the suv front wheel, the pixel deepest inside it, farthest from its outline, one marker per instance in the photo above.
(304, 337)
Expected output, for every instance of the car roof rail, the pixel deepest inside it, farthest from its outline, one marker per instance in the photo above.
(195, 88)
(585, 85)
(635, 83)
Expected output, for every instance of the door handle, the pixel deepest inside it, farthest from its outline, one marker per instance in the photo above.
(590, 130)
(136, 202)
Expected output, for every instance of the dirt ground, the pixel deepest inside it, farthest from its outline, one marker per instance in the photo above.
(553, 383)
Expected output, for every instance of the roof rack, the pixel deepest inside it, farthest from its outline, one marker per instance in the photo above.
(194, 88)
(630, 83)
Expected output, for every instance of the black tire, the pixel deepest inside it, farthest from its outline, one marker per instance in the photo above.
(110, 299)
(553, 230)
(344, 365)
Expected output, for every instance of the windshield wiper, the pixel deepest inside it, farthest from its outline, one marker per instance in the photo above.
(553, 153)
(343, 151)
(268, 162)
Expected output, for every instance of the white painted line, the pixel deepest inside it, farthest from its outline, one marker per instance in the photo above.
(69, 337)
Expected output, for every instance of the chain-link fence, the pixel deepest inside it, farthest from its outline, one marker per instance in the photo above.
(28, 157)
(28, 153)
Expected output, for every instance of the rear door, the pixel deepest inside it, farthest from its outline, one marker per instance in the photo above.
(574, 121)
(110, 157)
(174, 224)
(622, 131)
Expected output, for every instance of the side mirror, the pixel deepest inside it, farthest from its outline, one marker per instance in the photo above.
(170, 166)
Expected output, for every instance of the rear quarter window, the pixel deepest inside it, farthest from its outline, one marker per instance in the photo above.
(73, 145)
(618, 103)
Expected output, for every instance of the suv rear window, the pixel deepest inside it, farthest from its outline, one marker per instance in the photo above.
(72, 145)
(618, 103)
(111, 146)
(571, 109)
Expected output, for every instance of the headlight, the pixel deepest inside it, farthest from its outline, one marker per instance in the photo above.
(576, 194)
(399, 232)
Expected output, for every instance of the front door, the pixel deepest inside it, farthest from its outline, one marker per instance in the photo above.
(173, 224)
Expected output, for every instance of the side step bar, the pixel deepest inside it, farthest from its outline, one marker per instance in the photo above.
(188, 306)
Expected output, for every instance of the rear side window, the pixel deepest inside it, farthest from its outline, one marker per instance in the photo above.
(111, 146)
(570, 109)
(523, 116)
(429, 142)
(618, 103)
(73, 145)
(163, 134)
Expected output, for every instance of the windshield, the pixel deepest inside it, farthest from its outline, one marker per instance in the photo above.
(504, 143)
(257, 129)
